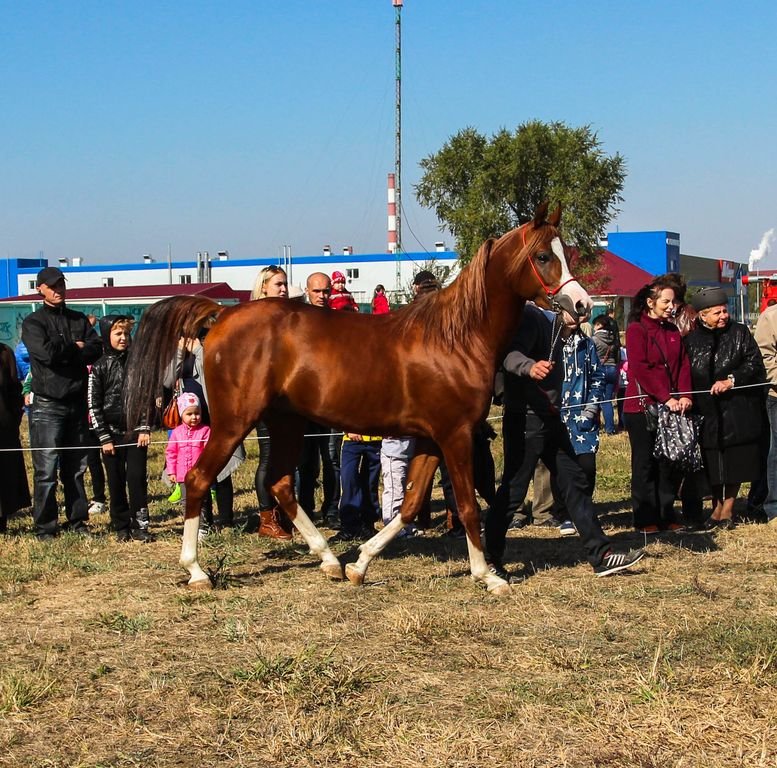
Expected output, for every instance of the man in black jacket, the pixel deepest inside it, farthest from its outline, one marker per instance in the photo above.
(61, 343)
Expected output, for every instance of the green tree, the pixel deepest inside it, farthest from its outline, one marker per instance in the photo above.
(482, 187)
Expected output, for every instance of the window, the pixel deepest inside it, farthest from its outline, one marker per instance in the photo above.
(352, 274)
(107, 282)
(186, 279)
(31, 285)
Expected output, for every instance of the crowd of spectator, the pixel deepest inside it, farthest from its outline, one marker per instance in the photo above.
(558, 386)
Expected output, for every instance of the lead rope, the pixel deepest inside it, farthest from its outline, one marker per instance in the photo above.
(558, 326)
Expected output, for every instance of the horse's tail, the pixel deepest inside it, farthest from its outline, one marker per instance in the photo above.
(153, 350)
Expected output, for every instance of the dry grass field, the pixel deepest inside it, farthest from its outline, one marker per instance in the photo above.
(108, 660)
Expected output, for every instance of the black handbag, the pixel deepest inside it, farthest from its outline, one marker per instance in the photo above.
(677, 439)
(650, 410)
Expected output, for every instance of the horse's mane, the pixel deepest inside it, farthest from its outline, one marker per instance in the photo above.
(154, 346)
(449, 315)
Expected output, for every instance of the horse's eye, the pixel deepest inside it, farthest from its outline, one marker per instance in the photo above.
(543, 257)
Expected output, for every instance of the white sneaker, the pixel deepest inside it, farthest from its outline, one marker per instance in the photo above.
(96, 508)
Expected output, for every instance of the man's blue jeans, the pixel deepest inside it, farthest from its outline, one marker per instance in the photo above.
(58, 424)
(770, 505)
(360, 473)
(611, 377)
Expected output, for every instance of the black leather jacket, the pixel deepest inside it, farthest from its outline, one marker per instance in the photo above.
(106, 379)
(737, 416)
(106, 408)
(58, 364)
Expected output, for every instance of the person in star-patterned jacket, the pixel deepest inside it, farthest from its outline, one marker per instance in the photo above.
(533, 429)
(581, 394)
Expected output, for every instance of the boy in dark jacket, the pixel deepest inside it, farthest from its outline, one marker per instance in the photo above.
(125, 465)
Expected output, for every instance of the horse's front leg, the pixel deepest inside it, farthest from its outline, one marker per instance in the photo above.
(458, 455)
(420, 473)
(213, 459)
(196, 488)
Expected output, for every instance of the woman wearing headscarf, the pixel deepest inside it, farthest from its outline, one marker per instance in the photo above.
(724, 359)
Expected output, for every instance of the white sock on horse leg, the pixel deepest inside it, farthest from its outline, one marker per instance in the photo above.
(314, 538)
(188, 558)
(374, 546)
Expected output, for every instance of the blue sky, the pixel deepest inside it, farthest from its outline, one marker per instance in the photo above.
(246, 125)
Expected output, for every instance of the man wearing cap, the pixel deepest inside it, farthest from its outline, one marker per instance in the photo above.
(425, 282)
(61, 343)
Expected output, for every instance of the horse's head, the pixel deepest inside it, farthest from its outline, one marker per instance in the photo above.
(543, 265)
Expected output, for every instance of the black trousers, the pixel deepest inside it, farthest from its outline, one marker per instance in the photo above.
(125, 471)
(266, 501)
(97, 474)
(587, 462)
(654, 483)
(528, 438)
(316, 452)
(225, 501)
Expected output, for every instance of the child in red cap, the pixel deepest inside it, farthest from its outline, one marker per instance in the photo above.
(341, 298)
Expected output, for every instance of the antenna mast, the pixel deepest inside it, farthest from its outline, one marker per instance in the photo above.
(398, 141)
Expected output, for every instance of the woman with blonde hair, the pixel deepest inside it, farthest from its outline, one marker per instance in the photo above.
(271, 282)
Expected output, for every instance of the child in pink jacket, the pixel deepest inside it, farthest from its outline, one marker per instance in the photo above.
(185, 445)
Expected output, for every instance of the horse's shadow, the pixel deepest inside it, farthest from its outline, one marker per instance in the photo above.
(534, 554)
(525, 555)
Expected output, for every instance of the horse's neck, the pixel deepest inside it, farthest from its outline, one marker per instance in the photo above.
(504, 310)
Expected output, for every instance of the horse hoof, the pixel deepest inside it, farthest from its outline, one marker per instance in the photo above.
(332, 571)
(354, 575)
(501, 590)
(201, 585)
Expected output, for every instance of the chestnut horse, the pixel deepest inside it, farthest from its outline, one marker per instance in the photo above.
(426, 370)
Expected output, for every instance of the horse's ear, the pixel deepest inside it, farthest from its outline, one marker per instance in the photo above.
(540, 214)
(555, 218)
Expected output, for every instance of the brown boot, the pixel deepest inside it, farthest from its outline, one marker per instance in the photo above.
(270, 525)
(284, 521)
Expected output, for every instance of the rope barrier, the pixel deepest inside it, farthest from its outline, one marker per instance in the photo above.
(340, 434)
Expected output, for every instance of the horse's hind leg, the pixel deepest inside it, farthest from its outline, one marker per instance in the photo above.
(286, 435)
(219, 448)
(419, 476)
(458, 459)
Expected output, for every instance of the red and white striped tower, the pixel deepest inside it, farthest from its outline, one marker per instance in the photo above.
(392, 215)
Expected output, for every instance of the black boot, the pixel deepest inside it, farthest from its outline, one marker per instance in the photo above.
(139, 526)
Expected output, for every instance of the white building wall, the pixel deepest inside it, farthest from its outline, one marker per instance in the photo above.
(240, 275)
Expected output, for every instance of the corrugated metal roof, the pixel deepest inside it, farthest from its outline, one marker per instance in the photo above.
(625, 278)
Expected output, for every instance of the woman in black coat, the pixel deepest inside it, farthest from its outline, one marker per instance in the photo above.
(725, 357)
(14, 490)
